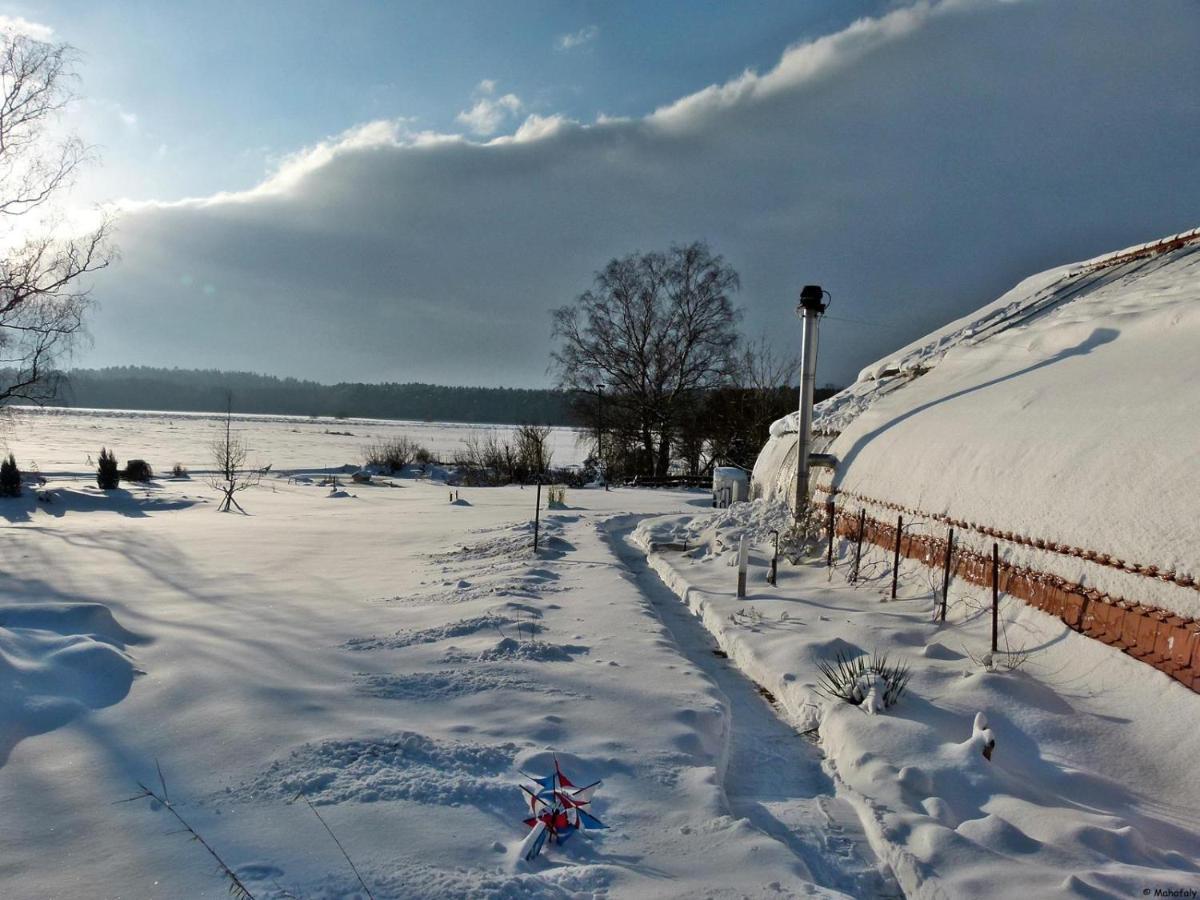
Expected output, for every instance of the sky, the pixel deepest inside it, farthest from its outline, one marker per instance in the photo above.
(402, 191)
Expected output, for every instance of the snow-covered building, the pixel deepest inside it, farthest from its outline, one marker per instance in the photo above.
(1061, 421)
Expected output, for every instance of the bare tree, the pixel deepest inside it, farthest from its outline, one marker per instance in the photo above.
(230, 454)
(533, 448)
(42, 300)
(659, 329)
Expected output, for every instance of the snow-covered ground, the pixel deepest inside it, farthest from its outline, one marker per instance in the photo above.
(1091, 790)
(58, 439)
(400, 659)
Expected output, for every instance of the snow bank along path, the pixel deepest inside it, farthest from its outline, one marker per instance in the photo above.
(1060, 421)
(1091, 790)
(399, 659)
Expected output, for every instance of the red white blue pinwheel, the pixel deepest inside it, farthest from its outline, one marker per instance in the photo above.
(557, 809)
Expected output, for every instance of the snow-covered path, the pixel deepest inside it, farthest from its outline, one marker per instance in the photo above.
(401, 660)
(772, 776)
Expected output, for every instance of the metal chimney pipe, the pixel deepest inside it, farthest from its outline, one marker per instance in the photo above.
(811, 307)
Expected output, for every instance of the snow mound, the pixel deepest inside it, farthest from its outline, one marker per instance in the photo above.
(528, 651)
(58, 660)
(432, 635)
(404, 766)
(449, 683)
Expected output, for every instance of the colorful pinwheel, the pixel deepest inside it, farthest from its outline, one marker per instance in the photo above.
(558, 809)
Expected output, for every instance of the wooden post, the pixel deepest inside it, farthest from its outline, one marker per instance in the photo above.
(862, 530)
(946, 573)
(773, 578)
(995, 594)
(537, 512)
(832, 530)
(743, 562)
(896, 555)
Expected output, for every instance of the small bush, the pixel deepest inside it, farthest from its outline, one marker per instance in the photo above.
(393, 454)
(137, 470)
(557, 494)
(179, 470)
(10, 478)
(423, 456)
(107, 475)
(849, 678)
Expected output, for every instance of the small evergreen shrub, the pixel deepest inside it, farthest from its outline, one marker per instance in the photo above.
(137, 470)
(179, 470)
(10, 478)
(107, 475)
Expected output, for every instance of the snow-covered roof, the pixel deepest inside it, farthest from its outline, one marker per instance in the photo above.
(1065, 411)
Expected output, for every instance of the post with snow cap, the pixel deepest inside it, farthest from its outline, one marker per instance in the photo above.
(812, 305)
(743, 563)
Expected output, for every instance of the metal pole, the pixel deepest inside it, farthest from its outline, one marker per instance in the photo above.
(810, 309)
(600, 432)
(946, 574)
(896, 555)
(774, 576)
(995, 594)
(537, 513)
(862, 528)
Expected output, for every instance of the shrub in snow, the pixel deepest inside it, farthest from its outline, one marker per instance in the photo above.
(392, 455)
(10, 478)
(871, 682)
(107, 475)
(179, 470)
(137, 470)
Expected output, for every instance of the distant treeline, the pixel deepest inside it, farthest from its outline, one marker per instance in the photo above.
(205, 390)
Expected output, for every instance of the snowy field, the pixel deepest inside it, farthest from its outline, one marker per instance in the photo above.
(401, 660)
(58, 439)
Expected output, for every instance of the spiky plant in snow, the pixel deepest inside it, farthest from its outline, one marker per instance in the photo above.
(861, 680)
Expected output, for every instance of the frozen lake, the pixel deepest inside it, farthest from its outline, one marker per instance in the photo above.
(58, 439)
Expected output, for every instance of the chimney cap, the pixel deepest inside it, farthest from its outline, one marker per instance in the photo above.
(812, 298)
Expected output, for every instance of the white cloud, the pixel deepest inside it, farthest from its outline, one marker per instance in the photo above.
(915, 164)
(584, 35)
(490, 112)
(19, 25)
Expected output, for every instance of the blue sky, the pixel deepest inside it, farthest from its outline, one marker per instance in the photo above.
(403, 191)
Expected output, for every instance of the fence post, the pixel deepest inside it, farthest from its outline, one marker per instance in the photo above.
(862, 529)
(743, 561)
(772, 579)
(832, 529)
(896, 555)
(995, 594)
(537, 512)
(946, 574)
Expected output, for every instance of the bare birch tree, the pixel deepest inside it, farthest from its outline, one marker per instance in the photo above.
(42, 298)
(230, 456)
(660, 330)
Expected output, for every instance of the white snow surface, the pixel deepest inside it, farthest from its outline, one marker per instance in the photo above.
(1066, 411)
(60, 439)
(1090, 792)
(400, 660)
